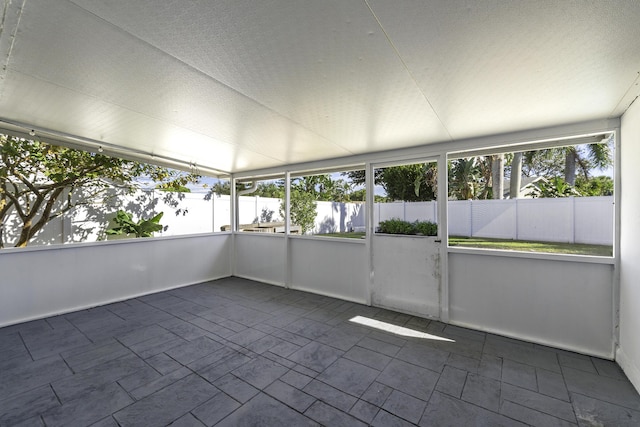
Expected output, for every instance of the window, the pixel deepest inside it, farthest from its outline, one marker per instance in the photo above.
(52, 195)
(554, 200)
(406, 199)
(260, 206)
(329, 204)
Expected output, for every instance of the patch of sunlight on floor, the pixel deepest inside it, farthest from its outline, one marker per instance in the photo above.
(395, 329)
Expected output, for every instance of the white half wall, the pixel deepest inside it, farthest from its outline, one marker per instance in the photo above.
(261, 257)
(328, 266)
(559, 303)
(43, 282)
(628, 354)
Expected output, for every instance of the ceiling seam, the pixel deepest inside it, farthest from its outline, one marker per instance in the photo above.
(635, 82)
(12, 36)
(406, 67)
(210, 77)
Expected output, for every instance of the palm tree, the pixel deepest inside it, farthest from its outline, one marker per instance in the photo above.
(569, 160)
(516, 176)
(585, 158)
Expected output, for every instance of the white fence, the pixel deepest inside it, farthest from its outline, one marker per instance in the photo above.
(571, 219)
(575, 220)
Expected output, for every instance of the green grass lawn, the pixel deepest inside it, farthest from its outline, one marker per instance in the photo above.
(346, 235)
(529, 246)
(510, 245)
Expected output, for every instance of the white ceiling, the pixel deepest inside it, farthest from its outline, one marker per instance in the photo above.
(237, 85)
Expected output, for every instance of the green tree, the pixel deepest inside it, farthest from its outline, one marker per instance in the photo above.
(303, 209)
(595, 186)
(38, 181)
(464, 178)
(570, 161)
(554, 187)
(412, 183)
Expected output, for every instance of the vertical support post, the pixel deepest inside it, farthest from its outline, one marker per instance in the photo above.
(442, 198)
(233, 221)
(369, 225)
(287, 230)
(617, 176)
(213, 214)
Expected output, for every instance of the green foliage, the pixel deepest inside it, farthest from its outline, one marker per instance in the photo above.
(472, 177)
(555, 187)
(142, 228)
(566, 161)
(324, 188)
(398, 226)
(303, 209)
(37, 181)
(412, 183)
(426, 228)
(464, 178)
(395, 226)
(596, 186)
(173, 188)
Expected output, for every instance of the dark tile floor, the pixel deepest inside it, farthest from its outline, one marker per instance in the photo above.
(236, 353)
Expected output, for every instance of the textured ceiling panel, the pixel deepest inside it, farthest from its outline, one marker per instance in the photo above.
(493, 66)
(241, 84)
(128, 76)
(325, 64)
(71, 112)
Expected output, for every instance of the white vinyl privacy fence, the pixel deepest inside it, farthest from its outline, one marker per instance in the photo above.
(574, 220)
(587, 220)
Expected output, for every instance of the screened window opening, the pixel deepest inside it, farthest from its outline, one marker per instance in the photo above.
(261, 206)
(51, 194)
(551, 200)
(406, 199)
(329, 204)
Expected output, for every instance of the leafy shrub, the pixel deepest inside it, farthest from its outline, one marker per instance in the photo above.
(395, 226)
(398, 226)
(426, 228)
(143, 228)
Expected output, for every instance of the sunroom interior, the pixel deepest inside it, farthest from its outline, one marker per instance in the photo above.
(252, 90)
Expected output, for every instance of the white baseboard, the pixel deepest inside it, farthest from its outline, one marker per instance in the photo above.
(105, 302)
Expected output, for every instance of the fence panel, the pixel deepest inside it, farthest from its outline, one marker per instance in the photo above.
(493, 218)
(548, 220)
(459, 214)
(594, 221)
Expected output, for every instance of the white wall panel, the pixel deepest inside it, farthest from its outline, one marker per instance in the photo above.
(336, 268)
(628, 354)
(563, 304)
(406, 274)
(260, 257)
(42, 282)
